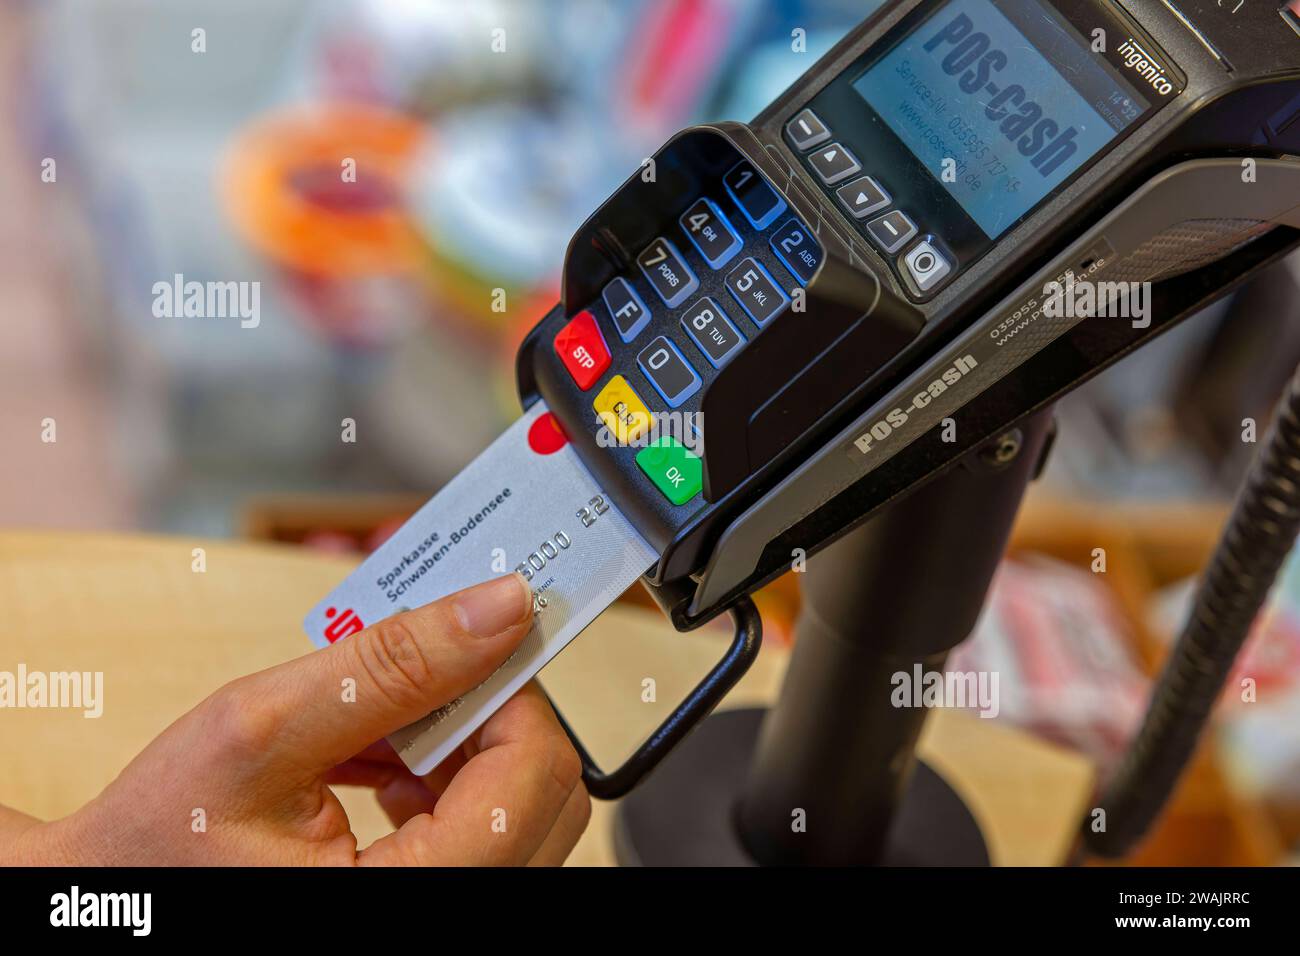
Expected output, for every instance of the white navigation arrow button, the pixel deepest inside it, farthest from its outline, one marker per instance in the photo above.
(834, 164)
(862, 197)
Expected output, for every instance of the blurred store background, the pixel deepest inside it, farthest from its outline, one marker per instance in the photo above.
(472, 167)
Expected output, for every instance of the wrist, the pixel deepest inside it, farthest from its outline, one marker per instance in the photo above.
(24, 840)
(32, 842)
(14, 827)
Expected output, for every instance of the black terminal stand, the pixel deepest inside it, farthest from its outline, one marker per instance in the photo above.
(829, 775)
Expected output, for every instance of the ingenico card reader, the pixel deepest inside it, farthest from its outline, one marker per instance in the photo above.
(764, 328)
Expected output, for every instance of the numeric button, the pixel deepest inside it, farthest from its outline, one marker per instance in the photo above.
(669, 373)
(666, 270)
(752, 193)
(756, 291)
(711, 330)
(710, 233)
(798, 251)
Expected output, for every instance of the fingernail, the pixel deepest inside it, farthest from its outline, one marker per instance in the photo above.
(491, 607)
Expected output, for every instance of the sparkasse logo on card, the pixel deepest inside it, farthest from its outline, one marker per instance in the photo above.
(349, 622)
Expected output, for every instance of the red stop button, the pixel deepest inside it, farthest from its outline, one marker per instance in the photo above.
(582, 349)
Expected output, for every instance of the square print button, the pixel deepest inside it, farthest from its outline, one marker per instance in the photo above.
(926, 267)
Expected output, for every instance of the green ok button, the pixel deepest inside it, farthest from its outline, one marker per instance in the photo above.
(673, 469)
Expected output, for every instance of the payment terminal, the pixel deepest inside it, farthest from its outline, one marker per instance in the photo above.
(763, 330)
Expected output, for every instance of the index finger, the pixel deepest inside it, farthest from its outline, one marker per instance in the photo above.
(501, 806)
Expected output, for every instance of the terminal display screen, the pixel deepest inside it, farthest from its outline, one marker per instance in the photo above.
(1003, 100)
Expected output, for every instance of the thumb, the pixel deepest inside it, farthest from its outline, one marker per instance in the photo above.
(405, 667)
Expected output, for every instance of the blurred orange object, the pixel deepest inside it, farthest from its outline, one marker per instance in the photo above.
(319, 190)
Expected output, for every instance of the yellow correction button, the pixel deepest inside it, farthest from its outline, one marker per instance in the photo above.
(622, 411)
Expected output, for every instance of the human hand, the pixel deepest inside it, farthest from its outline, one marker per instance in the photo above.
(258, 756)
